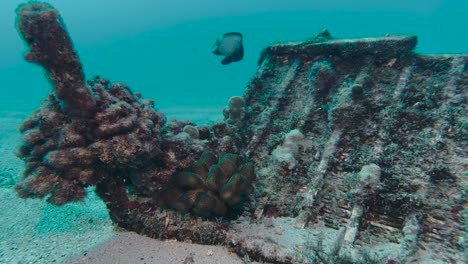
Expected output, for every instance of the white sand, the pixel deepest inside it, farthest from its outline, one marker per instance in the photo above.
(128, 247)
(32, 231)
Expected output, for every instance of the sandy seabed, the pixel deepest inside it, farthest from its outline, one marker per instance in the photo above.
(33, 231)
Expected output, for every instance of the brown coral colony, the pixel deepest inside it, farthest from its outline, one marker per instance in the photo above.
(213, 185)
(94, 133)
(81, 133)
(61, 152)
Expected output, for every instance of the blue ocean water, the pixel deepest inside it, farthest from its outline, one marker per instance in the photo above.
(162, 48)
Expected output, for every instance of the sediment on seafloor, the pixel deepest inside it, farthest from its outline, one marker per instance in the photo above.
(354, 148)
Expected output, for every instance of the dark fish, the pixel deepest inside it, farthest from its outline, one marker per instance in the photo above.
(230, 46)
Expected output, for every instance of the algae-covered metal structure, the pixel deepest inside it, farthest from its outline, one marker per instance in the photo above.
(340, 151)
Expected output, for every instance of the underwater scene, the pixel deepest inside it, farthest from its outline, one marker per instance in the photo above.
(233, 131)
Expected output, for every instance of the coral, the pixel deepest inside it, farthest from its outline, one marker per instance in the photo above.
(388, 121)
(81, 134)
(192, 131)
(228, 133)
(64, 153)
(288, 151)
(50, 46)
(365, 184)
(234, 113)
(213, 187)
(369, 176)
(386, 179)
(347, 105)
(119, 144)
(321, 79)
(204, 132)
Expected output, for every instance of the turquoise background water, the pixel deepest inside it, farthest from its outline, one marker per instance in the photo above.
(162, 48)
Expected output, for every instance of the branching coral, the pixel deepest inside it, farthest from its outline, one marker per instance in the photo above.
(63, 155)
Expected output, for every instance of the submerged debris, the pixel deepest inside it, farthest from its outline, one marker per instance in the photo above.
(357, 148)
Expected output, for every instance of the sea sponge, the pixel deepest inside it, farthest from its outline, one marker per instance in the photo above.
(213, 187)
(287, 153)
(366, 183)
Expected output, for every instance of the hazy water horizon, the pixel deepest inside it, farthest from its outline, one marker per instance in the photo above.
(163, 49)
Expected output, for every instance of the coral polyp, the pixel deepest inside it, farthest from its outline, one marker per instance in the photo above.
(214, 186)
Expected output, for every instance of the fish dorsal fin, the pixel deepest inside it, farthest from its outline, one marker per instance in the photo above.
(232, 34)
